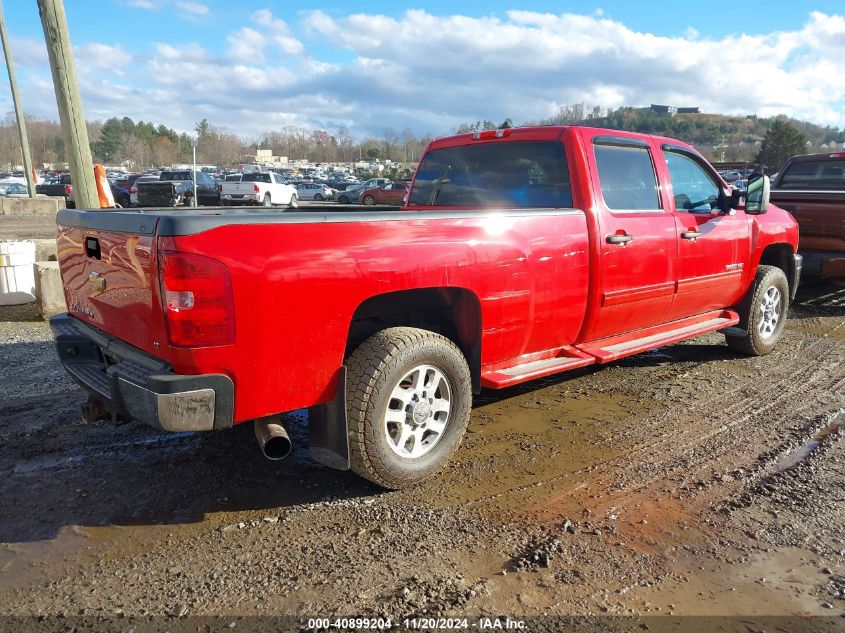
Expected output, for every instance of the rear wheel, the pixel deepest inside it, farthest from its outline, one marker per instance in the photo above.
(766, 313)
(318, 197)
(268, 201)
(408, 396)
(369, 200)
(294, 201)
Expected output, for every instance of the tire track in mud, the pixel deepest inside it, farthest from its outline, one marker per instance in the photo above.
(687, 445)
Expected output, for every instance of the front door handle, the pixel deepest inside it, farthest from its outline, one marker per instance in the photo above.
(619, 239)
(691, 235)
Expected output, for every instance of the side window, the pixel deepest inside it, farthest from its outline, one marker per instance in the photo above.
(693, 187)
(627, 178)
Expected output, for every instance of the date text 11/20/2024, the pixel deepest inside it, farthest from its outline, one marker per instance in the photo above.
(422, 623)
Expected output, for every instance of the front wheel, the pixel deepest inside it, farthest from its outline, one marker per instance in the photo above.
(318, 197)
(766, 313)
(408, 395)
(268, 201)
(294, 201)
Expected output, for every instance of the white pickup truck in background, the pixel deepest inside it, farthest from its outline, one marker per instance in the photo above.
(264, 188)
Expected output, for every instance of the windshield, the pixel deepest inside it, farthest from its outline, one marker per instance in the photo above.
(499, 175)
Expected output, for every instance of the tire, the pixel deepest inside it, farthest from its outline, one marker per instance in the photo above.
(294, 201)
(393, 363)
(267, 201)
(343, 200)
(318, 197)
(369, 200)
(765, 313)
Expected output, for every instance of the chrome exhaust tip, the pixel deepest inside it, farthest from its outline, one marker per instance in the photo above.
(272, 438)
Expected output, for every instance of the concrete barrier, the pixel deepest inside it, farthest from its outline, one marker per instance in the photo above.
(47, 206)
(49, 294)
(45, 250)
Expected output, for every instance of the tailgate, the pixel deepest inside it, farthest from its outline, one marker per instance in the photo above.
(239, 188)
(110, 280)
(156, 194)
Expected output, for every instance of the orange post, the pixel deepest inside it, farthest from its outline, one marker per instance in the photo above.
(103, 187)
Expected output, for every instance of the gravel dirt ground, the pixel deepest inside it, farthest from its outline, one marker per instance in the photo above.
(682, 482)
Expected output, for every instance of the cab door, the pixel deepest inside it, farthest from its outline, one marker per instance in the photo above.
(713, 246)
(637, 241)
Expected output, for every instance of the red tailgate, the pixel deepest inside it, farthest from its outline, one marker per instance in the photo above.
(111, 282)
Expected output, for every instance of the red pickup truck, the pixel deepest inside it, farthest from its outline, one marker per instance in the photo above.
(519, 253)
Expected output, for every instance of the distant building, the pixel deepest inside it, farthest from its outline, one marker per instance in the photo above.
(265, 157)
(673, 110)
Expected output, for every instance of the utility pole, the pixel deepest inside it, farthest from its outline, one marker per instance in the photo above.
(78, 150)
(7, 50)
(194, 175)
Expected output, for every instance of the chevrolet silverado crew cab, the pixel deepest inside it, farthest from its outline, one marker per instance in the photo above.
(812, 188)
(520, 253)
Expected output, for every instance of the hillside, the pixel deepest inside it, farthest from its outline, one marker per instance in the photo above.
(719, 136)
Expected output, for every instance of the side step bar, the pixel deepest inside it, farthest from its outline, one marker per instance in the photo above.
(611, 348)
(605, 350)
(562, 360)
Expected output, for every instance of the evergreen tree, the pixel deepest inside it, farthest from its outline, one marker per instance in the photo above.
(782, 140)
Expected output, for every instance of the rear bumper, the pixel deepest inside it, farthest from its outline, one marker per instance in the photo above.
(245, 197)
(824, 263)
(137, 386)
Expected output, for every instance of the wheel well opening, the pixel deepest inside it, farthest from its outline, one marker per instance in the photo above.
(452, 312)
(780, 256)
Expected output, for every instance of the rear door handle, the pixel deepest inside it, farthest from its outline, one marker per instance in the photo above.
(619, 239)
(691, 235)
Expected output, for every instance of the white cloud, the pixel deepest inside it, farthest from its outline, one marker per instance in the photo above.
(142, 4)
(432, 72)
(193, 8)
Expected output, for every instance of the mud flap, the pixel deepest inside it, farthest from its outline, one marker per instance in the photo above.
(328, 441)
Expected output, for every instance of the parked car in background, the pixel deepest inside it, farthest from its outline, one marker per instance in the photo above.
(176, 188)
(62, 188)
(350, 195)
(314, 191)
(812, 188)
(264, 188)
(741, 184)
(133, 190)
(391, 193)
(121, 196)
(14, 190)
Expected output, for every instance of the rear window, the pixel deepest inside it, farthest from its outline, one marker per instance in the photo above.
(175, 175)
(814, 174)
(256, 177)
(234, 178)
(626, 175)
(511, 174)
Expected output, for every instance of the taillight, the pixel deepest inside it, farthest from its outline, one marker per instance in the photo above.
(196, 293)
(486, 134)
(256, 189)
(68, 190)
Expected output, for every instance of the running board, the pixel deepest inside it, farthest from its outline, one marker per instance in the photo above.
(564, 359)
(613, 347)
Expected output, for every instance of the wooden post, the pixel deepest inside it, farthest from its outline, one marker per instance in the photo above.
(77, 149)
(7, 50)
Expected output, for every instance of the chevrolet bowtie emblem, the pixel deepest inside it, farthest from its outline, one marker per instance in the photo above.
(98, 284)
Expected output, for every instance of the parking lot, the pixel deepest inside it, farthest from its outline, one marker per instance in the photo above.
(683, 481)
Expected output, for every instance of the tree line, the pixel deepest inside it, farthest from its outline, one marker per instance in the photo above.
(139, 145)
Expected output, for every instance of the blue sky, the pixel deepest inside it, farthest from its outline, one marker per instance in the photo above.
(252, 66)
